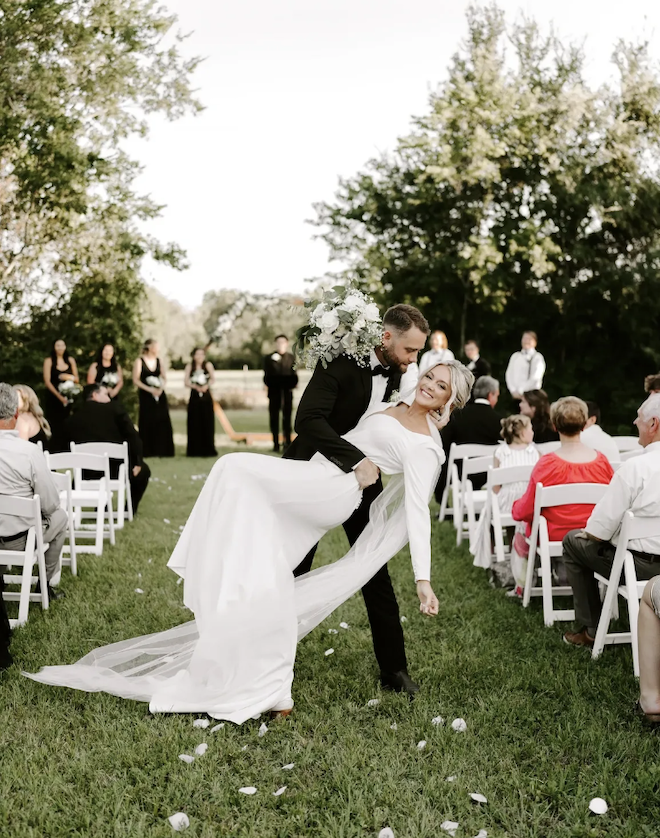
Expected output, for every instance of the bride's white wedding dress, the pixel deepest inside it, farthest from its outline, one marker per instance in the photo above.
(254, 521)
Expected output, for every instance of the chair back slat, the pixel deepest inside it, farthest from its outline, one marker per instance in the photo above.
(509, 474)
(468, 450)
(70, 460)
(114, 450)
(477, 465)
(21, 507)
(633, 452)
(626, 443)
(569, 493)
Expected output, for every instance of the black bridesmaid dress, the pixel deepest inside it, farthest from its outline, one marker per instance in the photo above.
(155, 425)
(56, 412)
(201, 424)
(40, 437)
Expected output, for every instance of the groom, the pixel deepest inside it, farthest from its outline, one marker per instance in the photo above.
(333, 403)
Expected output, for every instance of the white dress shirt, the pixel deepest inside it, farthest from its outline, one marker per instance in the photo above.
(635, 487)
(434, 356)
(525, 371)
(24, 474)
(596, 438)
(379, 382)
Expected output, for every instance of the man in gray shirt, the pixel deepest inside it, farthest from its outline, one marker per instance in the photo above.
(24, 473)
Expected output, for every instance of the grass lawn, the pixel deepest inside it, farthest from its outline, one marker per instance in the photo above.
(547, 728)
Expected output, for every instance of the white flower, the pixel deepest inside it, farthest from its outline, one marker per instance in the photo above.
(329, 321)
(421, 745)
(318, 313)
(179, 821)
(201, 723)
(371, 312)
(359, 324)
(459, 725)
(373, 702)
(186, 758)
(598, 806)
(478, 798)
(200, 750)
(248, 790)
(353, 303)
(349, 342)
(450, 827)
(325, 338)
(276, 356)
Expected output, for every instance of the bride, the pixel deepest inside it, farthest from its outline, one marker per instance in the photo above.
(254, 521)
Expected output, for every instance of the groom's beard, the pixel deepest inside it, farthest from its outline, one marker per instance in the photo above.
(392, 361)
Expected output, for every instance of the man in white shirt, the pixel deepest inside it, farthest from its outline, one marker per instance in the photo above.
(595, 437)
(635, 487)
(526, 368)
(437, 354)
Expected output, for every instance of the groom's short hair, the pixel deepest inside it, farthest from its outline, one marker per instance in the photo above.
(401, 318)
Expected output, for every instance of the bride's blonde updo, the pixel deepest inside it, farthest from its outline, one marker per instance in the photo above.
(462, 381)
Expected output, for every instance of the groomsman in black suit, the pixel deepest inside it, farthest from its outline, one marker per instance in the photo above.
(101, 420)
(333, 403)
(475, 363)
(281, 380)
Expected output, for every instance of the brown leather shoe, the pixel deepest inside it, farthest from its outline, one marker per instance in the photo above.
(579, 638)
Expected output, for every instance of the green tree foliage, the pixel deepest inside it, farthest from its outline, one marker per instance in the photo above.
(523, 199)
(79, 77)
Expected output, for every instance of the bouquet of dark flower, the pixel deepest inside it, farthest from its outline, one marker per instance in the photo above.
(154, 381)
(110, 379)
(344, 321)
(69, 389)
(200, 379)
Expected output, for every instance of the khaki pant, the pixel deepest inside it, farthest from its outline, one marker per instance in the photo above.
(54, 530)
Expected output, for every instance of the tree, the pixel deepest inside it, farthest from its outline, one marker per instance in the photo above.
(523, 199)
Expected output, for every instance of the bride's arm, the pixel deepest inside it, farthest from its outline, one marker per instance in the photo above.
(420, 473)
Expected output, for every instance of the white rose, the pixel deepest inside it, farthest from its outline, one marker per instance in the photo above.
(324, 339)
(371, 312)
(349, 342)
(317, 313)
(329, 321)
(353, 303)
(359, 324)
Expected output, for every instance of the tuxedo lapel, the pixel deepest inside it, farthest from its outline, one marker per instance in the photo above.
(393, 384)
(366, 380)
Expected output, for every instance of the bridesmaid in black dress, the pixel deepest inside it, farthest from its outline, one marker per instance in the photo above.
(105, 370)
(155, 425)
(199, 376)
(31, 425)
(59, 369)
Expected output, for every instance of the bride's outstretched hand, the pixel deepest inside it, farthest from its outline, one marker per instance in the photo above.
(428, 601)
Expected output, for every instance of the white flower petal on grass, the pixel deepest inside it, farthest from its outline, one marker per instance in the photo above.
(329, 652)
(386, 832)
(288, 767)
(186, 758)
(149, 561)
(201, 723)
(459, 724)
(438, 720)
(450, 779)
(344, 626)
(404, 619)
(598, 806)
(244, 748)
(263, 730)
(139, 576)
(200, 750)
(450, 827)
(179, 580)
(421, 745)
(393, 726)
(248, 790)
(279, 791)
(373, 702)
(481, 834)
(139, 591)
(217, 728)
(333, 631)
(166, 521)
(179, 821)
(478, 798)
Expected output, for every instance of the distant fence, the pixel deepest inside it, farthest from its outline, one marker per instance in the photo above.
(233, 388)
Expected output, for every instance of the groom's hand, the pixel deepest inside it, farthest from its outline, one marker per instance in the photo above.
(438, 420)
(367, 473)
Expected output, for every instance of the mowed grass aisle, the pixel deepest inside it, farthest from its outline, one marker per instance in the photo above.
(547, 729)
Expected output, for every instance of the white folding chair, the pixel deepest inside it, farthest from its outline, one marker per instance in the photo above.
(40, 446)
(63, 484)
(121, 484)
(498, 519)
(33, 553)
(456, 453)
(91, 501)
(631, 590)
(547, 447)
(626, 443)
(633, 452)
(540, 545)
(471, 500)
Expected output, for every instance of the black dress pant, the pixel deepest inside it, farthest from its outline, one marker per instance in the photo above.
(378, 593)
(139, 485)
(280, 399)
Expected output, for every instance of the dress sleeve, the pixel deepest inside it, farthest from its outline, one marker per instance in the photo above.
(420, 473)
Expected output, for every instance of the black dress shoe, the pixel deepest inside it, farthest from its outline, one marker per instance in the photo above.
(52, 592)
(400, 682)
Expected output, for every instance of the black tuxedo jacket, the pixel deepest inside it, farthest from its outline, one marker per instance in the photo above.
(476, 423)
(333, 403)
(280, 375)
(481, 367)
(97, 422)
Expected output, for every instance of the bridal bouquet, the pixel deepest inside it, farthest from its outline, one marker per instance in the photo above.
(69, 389)
(154, 381)
(110, 379)
(344, 321)
(200, 379)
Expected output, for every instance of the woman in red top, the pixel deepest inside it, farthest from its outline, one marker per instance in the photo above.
(573, 462)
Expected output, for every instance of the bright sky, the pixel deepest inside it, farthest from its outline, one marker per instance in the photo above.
(298, 93)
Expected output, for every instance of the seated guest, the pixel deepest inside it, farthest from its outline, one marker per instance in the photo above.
(101, 420)
(536, 405)
(32, 424)
(475, 363)
(648, 625)
(652, 383)
(573, 462)
(634, 487)
(595, 437)
(24, 473)
(476, 423)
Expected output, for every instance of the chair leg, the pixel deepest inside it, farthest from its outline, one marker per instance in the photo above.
(129, 500)
(633, 608)
(121, 504)
(546, 583)
(611, 594)
(100, 521)
(529, 578)
(24, 597)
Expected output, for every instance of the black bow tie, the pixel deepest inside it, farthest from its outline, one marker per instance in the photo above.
(386, 372)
